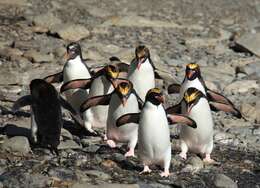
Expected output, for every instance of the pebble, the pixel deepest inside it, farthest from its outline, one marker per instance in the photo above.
(223, 181)
(242, 86)
(249, 42)
(98, 174)
(38, 57)
(107, 185)
(19, 144)
(68, 144)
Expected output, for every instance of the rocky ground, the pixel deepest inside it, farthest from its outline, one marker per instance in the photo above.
(221, 36)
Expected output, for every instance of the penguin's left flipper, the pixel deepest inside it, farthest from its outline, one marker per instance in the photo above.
(94, 101)
(218, 106)
(139, 100)
(74, 84)
(54, 78)
(178, 118)
(128, 118)
(67, 105)
(21, 102)
(174, 88)
(217, 97)
(176, 109)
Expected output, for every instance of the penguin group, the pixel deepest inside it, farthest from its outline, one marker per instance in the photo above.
(130, 109)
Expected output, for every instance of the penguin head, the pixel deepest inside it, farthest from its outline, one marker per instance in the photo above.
(192, 97)
(73, 50)
(40, 89)
(124, 89)
(155, 96)
(192, 71)
(141, 54)
(111, 72)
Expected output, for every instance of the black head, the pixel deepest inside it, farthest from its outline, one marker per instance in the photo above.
(192, 97)
(155, 96)
(40, 89)
(192, 71)
(111, 72)
(73, 50)
(124, 89)
(141, 54)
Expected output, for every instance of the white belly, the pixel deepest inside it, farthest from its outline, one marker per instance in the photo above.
(142, 79)
(116, 109)
(198, 139)
(187, 84)
(100, 86)
(153, 133)
(75, 69)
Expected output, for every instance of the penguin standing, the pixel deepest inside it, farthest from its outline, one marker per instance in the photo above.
(46, 117)
(195, 104)
(100, 84)
(73, 69)
(154, 146)
(121, 101)
(194, 79)
(141, 71)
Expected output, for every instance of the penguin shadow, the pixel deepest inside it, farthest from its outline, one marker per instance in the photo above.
(12, 130)
(6, 111)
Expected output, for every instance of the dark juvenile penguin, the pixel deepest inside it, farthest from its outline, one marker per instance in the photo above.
(46, 116)
(194, 79)
(154, 146)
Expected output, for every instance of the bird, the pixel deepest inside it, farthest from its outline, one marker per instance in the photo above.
(46, 116)
(193, 78)
(196, 105)
(122, 100)
(154, 146)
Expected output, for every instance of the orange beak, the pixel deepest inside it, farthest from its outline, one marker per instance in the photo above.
(160, 98)
(189, 108)
(189, 74)
(124, 101)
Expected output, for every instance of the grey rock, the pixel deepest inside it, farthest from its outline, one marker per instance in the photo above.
(68, 144)
(194, 164)
(15, 2)
(71, 32)
(19, 144)
(242, 86)
(251, 112)
(38, 57)
(250, 42)
(65, 134)
(98, 174)
(223, 181)
(62, 173)
(107, 185)
(47, 20)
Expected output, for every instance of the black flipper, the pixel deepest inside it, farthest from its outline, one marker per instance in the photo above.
(128, 118)
(179, 118)
(78, 83)
(218, 106)
(21, 102)
(139, 100)
(94, 101)
(174, 88)
(54, 78)
(176, 109)
(217, 97)
(67, 105)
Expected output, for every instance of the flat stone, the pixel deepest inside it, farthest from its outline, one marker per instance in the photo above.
(107, 185)
(251, 112)
(69, 144)
(194, 164)
(223, 181)
(46, 20)
(19, 144)
(66, 134)
(38, 57)
(242, 86)
(71, 32)
(250, 42)
(98, 174)
(15, 2)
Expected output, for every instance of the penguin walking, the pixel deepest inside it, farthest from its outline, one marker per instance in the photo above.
(195, 105)
(154, 146)
(75, 68)
(46, 117)
(194, 79)
(121, 101)
(100, 84)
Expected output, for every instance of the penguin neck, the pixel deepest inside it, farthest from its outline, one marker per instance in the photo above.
(76, 60)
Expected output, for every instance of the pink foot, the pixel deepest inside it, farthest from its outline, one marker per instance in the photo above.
(183, 155)
(111, 143)
(166, 173)
(146, 170)
(207, 159)
(130, 153)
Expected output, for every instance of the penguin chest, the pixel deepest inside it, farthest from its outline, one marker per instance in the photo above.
(196, 83)
(142, 78)
(116, 109)
(153, 132)
(100, 86)
(198, 138)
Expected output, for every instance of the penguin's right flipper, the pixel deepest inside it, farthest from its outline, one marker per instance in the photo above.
(179, 118)
(176, 109)
(218, 106)
(174, 88)
(94, 101)
(67, 105)
(21, 102)
(139, 100)
(128, 118)
(54, 78)
(217, 97)
(78, 83)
